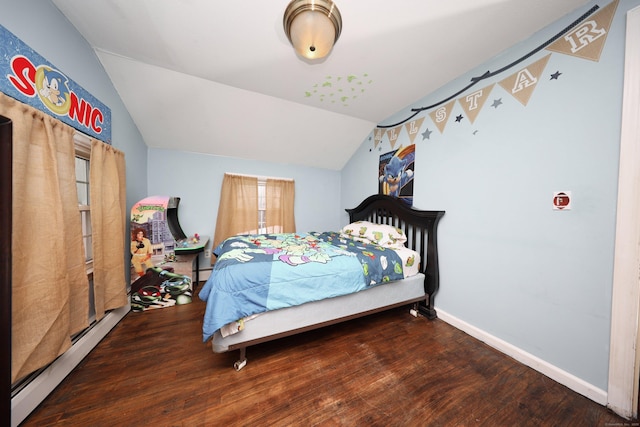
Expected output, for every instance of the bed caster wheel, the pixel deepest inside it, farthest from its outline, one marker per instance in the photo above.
(240, 364)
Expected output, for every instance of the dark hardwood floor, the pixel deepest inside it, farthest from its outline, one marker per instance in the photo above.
(388, 369)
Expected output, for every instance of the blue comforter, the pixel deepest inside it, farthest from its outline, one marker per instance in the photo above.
(257, 273)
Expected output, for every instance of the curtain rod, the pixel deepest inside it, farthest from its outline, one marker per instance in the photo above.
(259, 177)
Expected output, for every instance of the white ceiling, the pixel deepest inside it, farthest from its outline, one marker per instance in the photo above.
(220, 77)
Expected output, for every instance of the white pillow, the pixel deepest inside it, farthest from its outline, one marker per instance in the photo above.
(379, 234)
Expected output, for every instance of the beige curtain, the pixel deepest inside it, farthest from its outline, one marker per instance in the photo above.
(238, 209)
(108, 213)
(49, 281)
(280, 194)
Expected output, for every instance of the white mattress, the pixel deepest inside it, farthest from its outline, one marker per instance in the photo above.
(286, 321)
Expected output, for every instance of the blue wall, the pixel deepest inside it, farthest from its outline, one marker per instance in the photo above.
(510, 265)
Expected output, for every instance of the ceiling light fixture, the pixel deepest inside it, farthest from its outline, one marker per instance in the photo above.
(312, 26)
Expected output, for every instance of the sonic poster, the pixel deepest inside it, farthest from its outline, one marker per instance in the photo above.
(395, 173)
(30, 79)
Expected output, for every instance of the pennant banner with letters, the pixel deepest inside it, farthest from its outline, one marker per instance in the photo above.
(585, 38)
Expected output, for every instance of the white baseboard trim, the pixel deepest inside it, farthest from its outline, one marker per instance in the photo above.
(40, 387)
(571, 381)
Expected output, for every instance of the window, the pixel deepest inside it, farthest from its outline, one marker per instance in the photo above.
(82, 166)
(250, 204)
(83, 154)
(262, 205)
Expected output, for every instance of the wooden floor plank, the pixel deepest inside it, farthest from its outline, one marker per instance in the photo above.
(388, 369)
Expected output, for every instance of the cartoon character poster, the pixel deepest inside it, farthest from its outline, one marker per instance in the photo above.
(31, 79)
(395, 173)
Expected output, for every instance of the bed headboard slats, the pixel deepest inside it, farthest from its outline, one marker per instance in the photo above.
(419, 226)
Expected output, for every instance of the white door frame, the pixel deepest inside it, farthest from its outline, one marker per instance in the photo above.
(624, 356)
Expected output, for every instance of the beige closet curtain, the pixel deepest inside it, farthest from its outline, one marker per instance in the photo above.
(280, 194)
(50, 288)
(238, 208)
(49, 282)
(108, 212)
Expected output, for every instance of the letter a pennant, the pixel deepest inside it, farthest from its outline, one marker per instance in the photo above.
(522, 83)
(587, 39)
(377, 137)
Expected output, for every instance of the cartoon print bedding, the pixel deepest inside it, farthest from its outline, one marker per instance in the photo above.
(257, 273)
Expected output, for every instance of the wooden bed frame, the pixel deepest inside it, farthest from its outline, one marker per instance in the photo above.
(419, 226)
(421, 229)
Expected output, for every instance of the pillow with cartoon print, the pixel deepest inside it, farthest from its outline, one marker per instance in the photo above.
(378, 234)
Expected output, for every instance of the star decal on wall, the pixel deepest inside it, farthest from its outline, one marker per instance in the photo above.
(426, 134)
(459, 118)
(497, 103)
(555, 75)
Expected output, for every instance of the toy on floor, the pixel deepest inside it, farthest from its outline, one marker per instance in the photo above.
(160, 288)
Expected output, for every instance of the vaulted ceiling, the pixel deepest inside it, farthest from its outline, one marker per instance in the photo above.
(220, 77)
